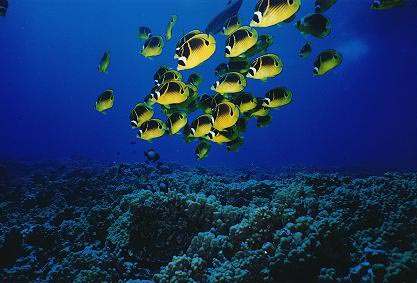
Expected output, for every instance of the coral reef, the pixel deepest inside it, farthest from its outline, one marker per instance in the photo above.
(81, 221)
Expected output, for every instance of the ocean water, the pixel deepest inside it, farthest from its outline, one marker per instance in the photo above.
(362, 114)
(326, 193)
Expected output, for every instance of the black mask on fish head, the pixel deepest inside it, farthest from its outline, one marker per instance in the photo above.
(256, 18)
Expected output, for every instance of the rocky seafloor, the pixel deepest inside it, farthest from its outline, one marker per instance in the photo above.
(80, 221)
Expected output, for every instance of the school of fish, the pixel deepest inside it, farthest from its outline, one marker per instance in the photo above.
(224, 115)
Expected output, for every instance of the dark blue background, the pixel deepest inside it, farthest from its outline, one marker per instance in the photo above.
(364, 113)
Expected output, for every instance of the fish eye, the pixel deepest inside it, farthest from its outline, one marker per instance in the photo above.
(290, 2)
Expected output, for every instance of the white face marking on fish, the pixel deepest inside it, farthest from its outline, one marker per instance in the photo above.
(182, 60)
(228, 48)
(192, 131)
(259, 15)
(134, 122)
(211, 134)
(212, 120)
(253, 70)
(267, 100)
(316, 70)
(155, 95)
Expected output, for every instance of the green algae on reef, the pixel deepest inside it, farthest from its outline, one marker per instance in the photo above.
(96, 222)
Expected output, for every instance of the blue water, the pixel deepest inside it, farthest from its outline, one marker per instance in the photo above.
(362, 114)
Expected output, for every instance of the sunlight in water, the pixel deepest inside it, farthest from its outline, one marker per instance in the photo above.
(353, 50)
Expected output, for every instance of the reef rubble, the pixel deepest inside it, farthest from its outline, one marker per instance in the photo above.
(83, 221)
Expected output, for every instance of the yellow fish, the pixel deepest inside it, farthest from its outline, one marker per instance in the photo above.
(195, 51)
(175, 122)
(326, 61)
(160, 72)
(240, 41)
(171, 24)
(230, 83)
(260, 110)
(105, 101)
(202, 150)
(184, 39)
(169, 76)
(201, 126)
(264, 67)
(271, 12)
(104, 62)
(140, 114)
(171, 93)
(277, 97)
(225, 115)
(153, 46)
(231, 25)
(245, 101)
(315, 24)
(144, 33)
(151, 129)
(220, 137)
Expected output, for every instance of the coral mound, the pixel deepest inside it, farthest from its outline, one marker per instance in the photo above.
(82, 221)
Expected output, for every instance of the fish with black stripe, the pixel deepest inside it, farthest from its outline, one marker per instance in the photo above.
(277, 97)
(175, 122)
(272, 12)
(195, 51)
(153, 46)
(140, 114)
(314, 24)
(326, 61)
(264, 67)
(225, 115)
(231, 25)
(240, 41)
(171, 93)
(105, 101)
(230, 83)
(151, 129)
